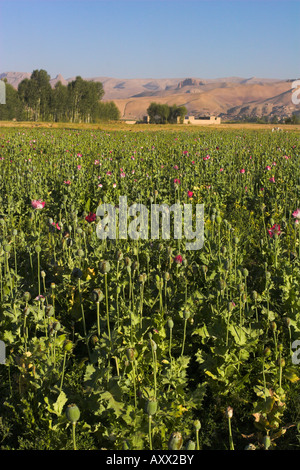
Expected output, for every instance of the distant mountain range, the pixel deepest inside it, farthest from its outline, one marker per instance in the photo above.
(229, 98)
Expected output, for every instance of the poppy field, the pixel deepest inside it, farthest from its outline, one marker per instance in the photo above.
(141, 344)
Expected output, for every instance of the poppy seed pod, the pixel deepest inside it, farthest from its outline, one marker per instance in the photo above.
(97, 295)
(229, 412)
(186, 314)
(170, 323)
(127, 261)
(73, 413)
(153, 344)
(27, 296)
(104, 267)
(175, 441)
(197, 425)
(204, 268)
(119, 256)
(190, 445)
(218, 219)
(68, 345)
(151, 406)
(49, 310)
(38, 248)
(130, 353)
(267, 442)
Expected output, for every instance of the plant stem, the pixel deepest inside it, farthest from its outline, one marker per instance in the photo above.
(74, 436)
(150, 433)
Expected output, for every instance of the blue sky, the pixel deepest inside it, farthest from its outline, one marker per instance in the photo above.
(151, 38)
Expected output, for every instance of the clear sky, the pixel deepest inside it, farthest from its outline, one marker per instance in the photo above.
(151, 38)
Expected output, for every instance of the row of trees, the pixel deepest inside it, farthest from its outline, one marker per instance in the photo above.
(36, 100)
(293, 119)
(163, 113)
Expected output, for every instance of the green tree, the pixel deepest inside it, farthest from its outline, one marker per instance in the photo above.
(163, 113)
(177, 112)
(13, 109)
(60, 108)
(35, 93)
(106, 111)
(83, 96)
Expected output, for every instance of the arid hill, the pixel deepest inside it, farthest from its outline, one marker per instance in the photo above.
(230, 97)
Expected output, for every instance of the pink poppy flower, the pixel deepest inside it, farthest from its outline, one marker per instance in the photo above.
(114, 185)
(190, 193)
(268, 168)
(175, 167)
(272, 179)
(296, 214)
(176, 181)
(78, 167)
(275, 230)
(242, 170)
(67, 182)
(56, 225)
(37, 204)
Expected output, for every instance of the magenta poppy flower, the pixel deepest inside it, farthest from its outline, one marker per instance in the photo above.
(38, 204)
(190, 193)
(91, 217)
(275, 230)
(56, 225)
(67, 182)
(272, 179)
(242, 170)
(178, 259)
(176, 181)
(268, 168)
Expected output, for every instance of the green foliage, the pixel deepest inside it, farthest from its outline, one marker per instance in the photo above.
(162, 113)
(113, 325)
